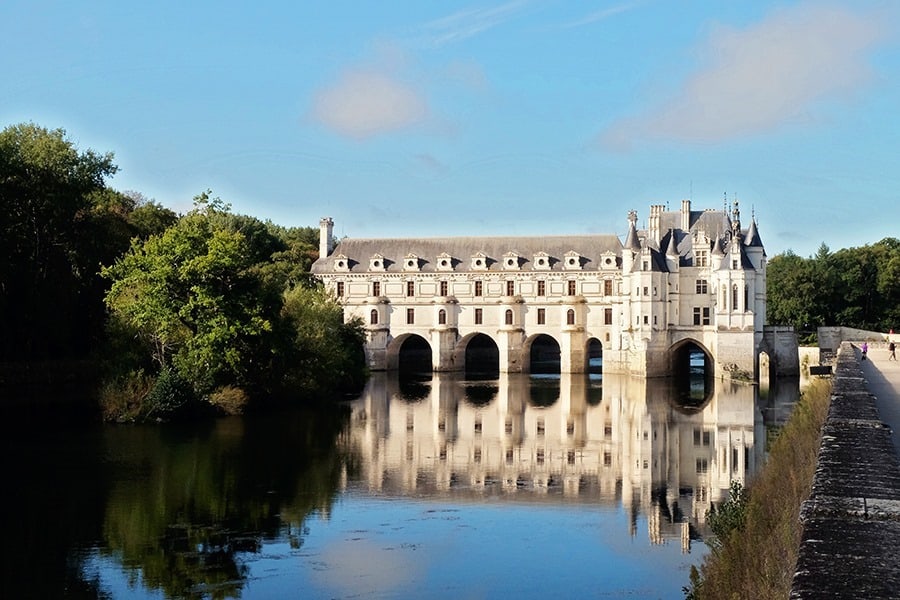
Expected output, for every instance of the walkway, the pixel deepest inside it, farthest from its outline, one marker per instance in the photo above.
(883, 376)
(851, 522)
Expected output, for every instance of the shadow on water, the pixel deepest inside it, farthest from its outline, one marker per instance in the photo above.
(177, 507)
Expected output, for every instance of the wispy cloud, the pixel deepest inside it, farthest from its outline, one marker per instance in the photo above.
(364, 103)
(465, 24)
(599, 15)
(759, 78)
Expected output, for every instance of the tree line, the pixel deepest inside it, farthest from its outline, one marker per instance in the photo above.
(208, 309)
(852, 287)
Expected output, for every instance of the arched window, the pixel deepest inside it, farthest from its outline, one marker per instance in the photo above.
(570, 317)
(509, 317)
(442, 317)
(373, 317)
(746, 297)
(734, 297)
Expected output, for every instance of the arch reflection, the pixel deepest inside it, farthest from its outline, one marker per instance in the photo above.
(627, 442)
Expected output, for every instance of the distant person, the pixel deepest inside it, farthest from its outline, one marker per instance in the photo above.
(893, 351)
(865, 349)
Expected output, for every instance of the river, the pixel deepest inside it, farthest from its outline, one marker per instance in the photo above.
(440, 487)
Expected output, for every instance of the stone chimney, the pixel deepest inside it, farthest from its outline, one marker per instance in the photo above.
(685, 215)
(326, 226)
(653, 224)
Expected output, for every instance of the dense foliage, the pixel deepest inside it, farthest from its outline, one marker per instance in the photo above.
(224, 314)
(210, 308)
(853, 287)
(58, 222)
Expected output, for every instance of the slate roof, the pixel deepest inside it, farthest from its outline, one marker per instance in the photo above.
(462, 249)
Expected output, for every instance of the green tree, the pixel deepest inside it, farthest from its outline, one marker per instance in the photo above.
(194, 295)
(51, 208)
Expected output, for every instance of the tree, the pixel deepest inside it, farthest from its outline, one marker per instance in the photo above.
(48, 195)
(194, 295)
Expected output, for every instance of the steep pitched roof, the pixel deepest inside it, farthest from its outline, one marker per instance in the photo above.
(461, 249)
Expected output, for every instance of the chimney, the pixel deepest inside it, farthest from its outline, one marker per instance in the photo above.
(326, 226)
(685, 215)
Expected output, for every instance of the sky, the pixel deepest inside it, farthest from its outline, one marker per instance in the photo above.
(479, 118)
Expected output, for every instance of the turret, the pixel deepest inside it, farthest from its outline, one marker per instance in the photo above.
(326, 226)
(632, 244)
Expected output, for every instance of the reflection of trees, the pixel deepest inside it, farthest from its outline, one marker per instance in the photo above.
(187, 505)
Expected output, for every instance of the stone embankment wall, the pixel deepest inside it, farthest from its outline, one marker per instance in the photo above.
(851, 522)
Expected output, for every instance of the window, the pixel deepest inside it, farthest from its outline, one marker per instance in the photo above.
(701, 315)
(571, 290)
(734, 297)
(746, 297)
(410, 316)
(479, 288)
(507, 427)
(340, 289)
(701, 258)
(542, 316)
(702, 465)
(410, 288)
(477, 455)
(510, 288)
(540, 426)
(444, 287)
(570, 457)
(478, 316)
(734, 263)
(701, 437)
(724, 297)
(509, 317)
(373, 317)
(478, 426)
(645, 265)
(570, 427)
(542, 288)
(646, 319)
(607, 316)
(509, 456)
(607, 287)
(646, 291)
(376, 288)
(607, 459)
(570, 317)
(442, 317)
(702, 286)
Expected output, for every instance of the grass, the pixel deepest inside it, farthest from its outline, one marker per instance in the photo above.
(758, 559)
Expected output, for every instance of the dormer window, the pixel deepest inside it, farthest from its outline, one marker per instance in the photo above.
(572, 261)
(411, 262)
(444, 262)
(479, 262)
(376, 263)
(541, 261)
(608, 261)
(341, 263)
(511, 261)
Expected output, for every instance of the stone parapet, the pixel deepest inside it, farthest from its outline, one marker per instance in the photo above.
(851, 521)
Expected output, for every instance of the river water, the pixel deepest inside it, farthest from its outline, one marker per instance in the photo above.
(440, 487)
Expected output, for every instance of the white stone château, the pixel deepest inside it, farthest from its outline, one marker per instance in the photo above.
(692, 280)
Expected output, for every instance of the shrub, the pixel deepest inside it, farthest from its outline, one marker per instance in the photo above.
(123, 399)
(229, 400)
(171, 395)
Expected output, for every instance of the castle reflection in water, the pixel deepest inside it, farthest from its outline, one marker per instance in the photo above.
(627, 442)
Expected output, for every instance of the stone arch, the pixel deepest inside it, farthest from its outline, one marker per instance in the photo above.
(543, 352)
(409, 352)
(480, 355)
(693, 370)
(593, 356)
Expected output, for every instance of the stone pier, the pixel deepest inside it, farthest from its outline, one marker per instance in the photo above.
(851, 522)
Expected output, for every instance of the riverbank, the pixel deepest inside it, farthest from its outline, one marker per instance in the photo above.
(757, 560)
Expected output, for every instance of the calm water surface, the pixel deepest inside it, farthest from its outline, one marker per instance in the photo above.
(437, 488)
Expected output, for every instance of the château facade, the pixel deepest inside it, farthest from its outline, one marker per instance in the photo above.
(689, 281)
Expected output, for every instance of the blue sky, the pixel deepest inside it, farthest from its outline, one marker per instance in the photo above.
(521, 117)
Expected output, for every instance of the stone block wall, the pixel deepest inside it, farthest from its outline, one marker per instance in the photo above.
(851, 521)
